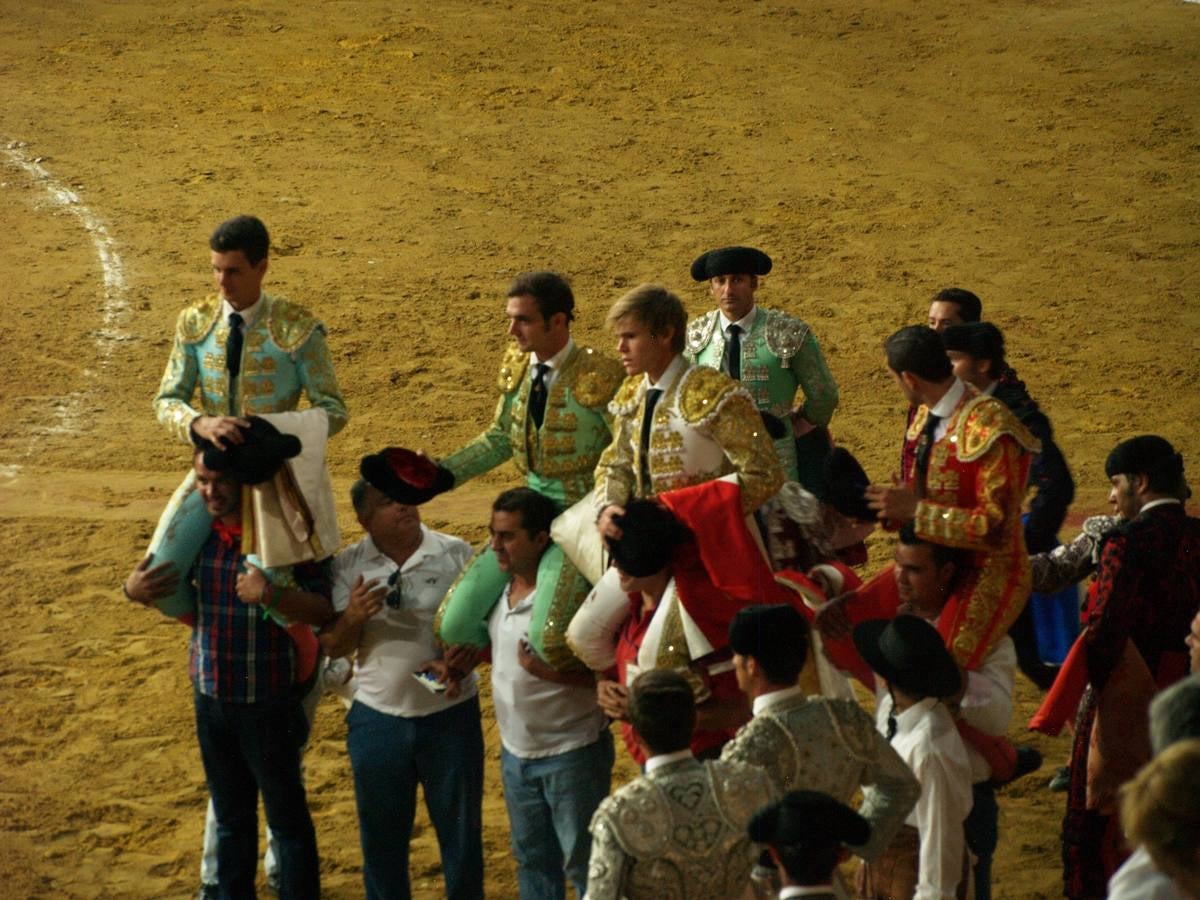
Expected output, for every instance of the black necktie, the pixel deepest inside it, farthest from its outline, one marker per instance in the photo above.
(733, 353)
(537, 396)
(924, 445)
(652, 397)
(233, 345)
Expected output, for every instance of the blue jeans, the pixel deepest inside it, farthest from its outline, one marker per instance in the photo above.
(250, 748)
(390, 755)
(550, 804)
(983, 833)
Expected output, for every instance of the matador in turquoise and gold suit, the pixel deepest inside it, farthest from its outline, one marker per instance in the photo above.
(284, 356)
(557, 459)
(778, 355)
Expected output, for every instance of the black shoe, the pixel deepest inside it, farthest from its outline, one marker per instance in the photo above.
(208, 891)
(1029, 759)
(1061, 780)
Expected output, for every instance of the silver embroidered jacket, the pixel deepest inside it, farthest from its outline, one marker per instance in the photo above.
(1068, 563)
(832, 746)
(678, 833)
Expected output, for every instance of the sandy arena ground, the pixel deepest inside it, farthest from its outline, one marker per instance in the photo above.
(411, 158)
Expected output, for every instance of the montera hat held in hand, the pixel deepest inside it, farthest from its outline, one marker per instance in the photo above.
(263, 451)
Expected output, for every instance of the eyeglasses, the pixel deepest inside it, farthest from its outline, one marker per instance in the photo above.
(395, 594)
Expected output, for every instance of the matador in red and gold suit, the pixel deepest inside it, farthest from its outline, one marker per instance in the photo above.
(968, 477)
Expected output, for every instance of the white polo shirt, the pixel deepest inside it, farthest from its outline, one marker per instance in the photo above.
(395, 642)
(537, 718)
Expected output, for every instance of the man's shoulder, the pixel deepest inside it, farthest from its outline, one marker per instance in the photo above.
(984, 420)
(448, 543)
(197, 319)
(784, 333)
(354, 555)
(700, 331)
(289, 324)
(702, 390)
(512, 369)
(593, 377)
(625, 400)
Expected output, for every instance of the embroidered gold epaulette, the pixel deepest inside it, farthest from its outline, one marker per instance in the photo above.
(982, 421)
(512, 369)
(197, 320)
(625, 401)
(702, 391)
(289, 323)
(918, 423)
(598, 378)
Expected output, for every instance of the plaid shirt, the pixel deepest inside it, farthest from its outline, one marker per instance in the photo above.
(236, 655)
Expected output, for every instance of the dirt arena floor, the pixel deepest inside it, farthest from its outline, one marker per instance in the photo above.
(410, 158)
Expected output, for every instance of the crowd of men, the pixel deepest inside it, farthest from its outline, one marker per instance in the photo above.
(700, 465)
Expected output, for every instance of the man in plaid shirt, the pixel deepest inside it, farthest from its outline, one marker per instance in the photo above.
(243, 665)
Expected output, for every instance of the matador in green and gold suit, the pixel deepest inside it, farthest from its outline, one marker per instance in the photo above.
(557, 460)
(284, 356)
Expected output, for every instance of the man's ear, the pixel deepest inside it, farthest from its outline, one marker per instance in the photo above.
(909, 380)
(1140, 483)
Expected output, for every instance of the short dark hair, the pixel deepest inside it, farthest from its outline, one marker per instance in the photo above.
(970, 307)
(941, 553)
(918, 350)
(245, 233)
(358, 495)
(979, 340)
(808, 865)
(662, 710)
(549, 290)
(537, 510)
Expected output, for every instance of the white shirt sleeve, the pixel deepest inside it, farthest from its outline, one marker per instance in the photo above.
(988, 701)
(940, 813)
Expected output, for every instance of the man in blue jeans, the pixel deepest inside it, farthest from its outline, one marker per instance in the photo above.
(402, 731)
(556, 753)
(249, 720)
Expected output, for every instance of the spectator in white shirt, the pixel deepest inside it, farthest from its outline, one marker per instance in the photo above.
(916, 673)
(556, 753)
(402, 730)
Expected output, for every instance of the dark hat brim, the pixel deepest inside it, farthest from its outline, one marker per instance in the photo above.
(730, 261)
(925, 671)
(383, 471)
(808, 819)
(262, 453)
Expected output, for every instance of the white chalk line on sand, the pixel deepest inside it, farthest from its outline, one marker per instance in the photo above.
(115, 307)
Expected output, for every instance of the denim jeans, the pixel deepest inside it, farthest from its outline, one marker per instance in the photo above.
(248, 748)
(390, 755)
(983, 834)
(208, 856)
(550, 804)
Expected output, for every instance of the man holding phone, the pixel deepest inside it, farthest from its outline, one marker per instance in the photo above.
(415, 717)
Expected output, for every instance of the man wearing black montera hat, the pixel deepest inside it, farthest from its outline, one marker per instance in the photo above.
(250, 722)
(1147, 592)
(772, 353)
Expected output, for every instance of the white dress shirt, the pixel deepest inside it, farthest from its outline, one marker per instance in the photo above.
(764, 702)
(537, 718)
(1139, 879)
(988, 701)
(677, 367)
(396, 642)
(945, 407)
(665, 759)
(928, 742)
(745, 323)
(249, 314)
(555, 363)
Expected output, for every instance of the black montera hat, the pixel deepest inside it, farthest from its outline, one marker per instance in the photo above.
(808, 819)
(405, 476)
(909, 653)
(730, 261)
(846, 485)
(1146, 454)
(264, 449)
(774, 635)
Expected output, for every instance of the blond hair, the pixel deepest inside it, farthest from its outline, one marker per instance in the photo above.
(656, 308)
(1160, 810)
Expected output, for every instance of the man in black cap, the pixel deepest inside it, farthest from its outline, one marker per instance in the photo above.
(250, 722)
(1147, 592)
(916, 674)
(772, 353)
(679, 830)
(415, 719)
(812, 742)
(807, 834)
